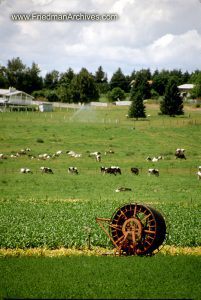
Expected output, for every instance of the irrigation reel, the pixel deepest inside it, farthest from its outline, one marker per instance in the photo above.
(135, 229)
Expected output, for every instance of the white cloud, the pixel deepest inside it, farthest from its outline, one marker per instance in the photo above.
(152, 34)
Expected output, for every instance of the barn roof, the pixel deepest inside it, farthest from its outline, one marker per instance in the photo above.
(12, 91)
(186, 86)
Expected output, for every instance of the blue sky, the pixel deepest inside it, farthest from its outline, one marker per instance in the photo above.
(155, 34)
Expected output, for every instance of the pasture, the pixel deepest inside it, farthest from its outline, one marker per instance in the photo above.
(53, 211)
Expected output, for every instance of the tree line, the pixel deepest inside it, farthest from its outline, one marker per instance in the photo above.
(85, 87)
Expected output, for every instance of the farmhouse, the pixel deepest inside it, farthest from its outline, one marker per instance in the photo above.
(185, 89)
(12, 96)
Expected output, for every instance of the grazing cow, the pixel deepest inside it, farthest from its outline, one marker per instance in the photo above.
(44, 156)
(180, 153)
(111, 170)
(123, 189)
(22, 152)
(73, 154)
(148, 158)
(199, 175)
(153, 172)
(103, 169)
(25, 171)
(98, 157)
(70, 152)
(117, 170)
(199, 172)
(135, 171)
(155, 159)
(46, 170)
(58, 152)
(76, 155)
(72, 170)
(94, 153)
(3, 156)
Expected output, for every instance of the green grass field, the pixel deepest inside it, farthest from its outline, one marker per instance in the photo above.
(159, 277)
(59, 210)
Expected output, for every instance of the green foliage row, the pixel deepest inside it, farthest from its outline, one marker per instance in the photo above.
(65, 224)
(85, 86)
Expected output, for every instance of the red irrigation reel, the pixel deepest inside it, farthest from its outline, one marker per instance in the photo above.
(135, 229)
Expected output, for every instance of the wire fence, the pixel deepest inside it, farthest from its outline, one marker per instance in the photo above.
(74, 116)
(97, 170)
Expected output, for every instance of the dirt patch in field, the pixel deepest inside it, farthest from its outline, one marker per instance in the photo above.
(70, 200)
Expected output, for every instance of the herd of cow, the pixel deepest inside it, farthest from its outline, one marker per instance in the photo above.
(115, 170)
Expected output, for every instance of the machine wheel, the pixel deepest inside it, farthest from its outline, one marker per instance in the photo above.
(137, 229)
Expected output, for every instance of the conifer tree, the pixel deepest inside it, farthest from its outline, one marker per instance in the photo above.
(172, 103)
(137, 108)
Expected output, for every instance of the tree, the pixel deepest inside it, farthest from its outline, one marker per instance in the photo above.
(64, 85)
(3, 77)
(142, 86)
(145, 73)
(160, 80)
(194, 76)
(196, 91)
(34, 81)
(178, 76)
(51, 95)
(137, 108)
(116, 94)
(15, 65)
(83, 88)
(119, 80)
(101, 80)
(51, 80)
(15, 72)
(172, 103)
(65, 78)
(100, 75)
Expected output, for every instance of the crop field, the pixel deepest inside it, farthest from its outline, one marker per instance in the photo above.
(59, 210)
(54, 211)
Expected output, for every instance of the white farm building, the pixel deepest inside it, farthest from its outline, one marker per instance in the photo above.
(185, 89)
(12, 96)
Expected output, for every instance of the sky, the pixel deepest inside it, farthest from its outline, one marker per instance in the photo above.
(155, 34)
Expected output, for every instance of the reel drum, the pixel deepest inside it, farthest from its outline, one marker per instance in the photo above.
(136, 229)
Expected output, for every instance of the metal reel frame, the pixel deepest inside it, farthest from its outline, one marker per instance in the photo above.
(135, 229)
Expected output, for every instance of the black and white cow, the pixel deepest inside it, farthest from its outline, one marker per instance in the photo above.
(135, 171)
(123, 189)
(153, 172)
(111, 170)
(180, 153)
(94, 153)
(25, 171)
(46, 170)
(98, 157)
(73, 170)
(148, 158)
(199, 172)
